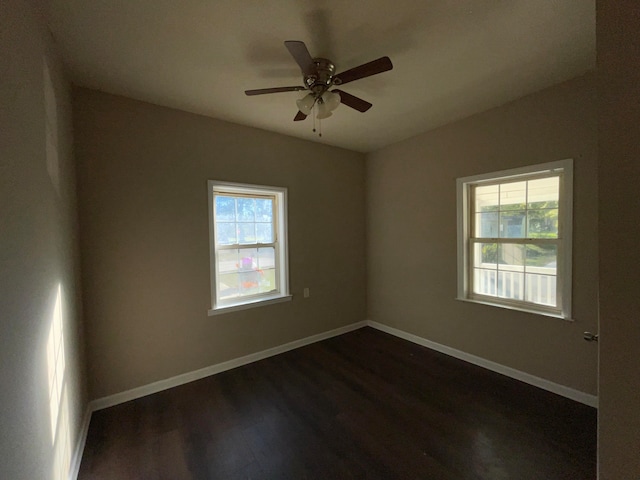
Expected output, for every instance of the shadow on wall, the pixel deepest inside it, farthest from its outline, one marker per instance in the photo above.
(51, 128)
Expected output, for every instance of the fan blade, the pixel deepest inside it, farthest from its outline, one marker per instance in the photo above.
(262, 91)
(353, 101)
(299, 116)
(366, 70)
(301, 55)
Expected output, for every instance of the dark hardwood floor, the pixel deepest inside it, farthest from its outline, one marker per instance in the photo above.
(362, 405)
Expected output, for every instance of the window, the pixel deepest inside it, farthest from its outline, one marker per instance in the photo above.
(514, 238)
(248, 245)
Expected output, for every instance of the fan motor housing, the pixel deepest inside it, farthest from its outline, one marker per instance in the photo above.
(324, 79)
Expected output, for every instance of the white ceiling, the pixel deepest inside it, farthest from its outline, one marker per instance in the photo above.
(452, 58)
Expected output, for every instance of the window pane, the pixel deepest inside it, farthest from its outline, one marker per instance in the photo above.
(541, 289)
(542, 259)
(513, 196)
(228, 261)
(264, 233)
(264, 210)
(511, 257)
(512, 224)
(485, 255)
(225, 209)
(486, 198)
(511, 285)
(228, 285)
(543, 193)
(267, 280)
(226, 233)
(248, 259)
(542, 223)
(246, 233)
(246, 209)
(511, 266)
(266, 257)
(487, 225)
(249, 283)
(485, 281)
(541, 266)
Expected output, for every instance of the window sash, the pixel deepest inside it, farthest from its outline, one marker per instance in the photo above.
(274, 223)
(523, 178)
(471, 267)
(233, 300)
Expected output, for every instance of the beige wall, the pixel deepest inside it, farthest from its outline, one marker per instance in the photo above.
(38, 253)
(618, 30)
(143, 173)
(411, 233)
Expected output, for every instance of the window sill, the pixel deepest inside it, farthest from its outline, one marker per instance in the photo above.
(516, 308)
(253, 304)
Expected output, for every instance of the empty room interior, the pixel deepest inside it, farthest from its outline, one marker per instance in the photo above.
(292, 239)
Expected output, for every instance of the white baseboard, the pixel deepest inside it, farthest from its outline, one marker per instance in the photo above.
(74, 469)
(155, 387)
(567, 392)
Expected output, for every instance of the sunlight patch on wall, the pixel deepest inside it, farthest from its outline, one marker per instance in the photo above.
(58, 392)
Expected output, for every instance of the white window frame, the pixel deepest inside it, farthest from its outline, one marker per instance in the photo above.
(564, 170)
(280, 243)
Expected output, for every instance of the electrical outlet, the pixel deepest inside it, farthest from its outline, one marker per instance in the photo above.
(306, 292)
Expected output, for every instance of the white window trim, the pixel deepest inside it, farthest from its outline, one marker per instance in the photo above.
(565, 256)
(282, 253)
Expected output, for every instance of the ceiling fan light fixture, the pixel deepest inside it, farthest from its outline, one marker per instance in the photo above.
(331, 100)
(305, 104)
(323, 111)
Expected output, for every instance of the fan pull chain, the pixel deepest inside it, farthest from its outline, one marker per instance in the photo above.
(313, 114)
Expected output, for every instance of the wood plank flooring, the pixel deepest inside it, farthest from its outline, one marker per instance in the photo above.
(362, 405)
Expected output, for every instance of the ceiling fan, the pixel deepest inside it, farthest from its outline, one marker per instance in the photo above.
(318, 75)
